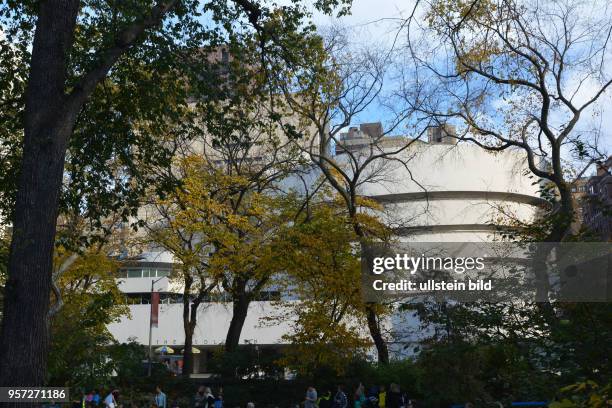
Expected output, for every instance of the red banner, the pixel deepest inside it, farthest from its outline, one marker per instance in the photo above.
(154, 309)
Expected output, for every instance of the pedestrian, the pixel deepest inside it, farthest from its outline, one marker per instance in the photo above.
(111, 399)
(199, 400)
(340, 400)
(209, 401)
(311, 398)
(250, 405)
(219, 398)
(96, 398)
(394, 397)
(382, 397)
(372, 400)
(160, 398)
(359, 397)
(89, 399)
(325, 401)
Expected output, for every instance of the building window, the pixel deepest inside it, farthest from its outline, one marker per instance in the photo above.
(163, 272)
(143, 273)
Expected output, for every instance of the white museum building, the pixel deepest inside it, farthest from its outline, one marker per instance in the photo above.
(449, 193)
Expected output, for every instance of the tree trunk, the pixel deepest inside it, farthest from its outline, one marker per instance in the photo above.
(240, 308)
(190, 320)
(565, 215)
(372, 316)
(560, 229)
(376, 334)
(187, 351)
(24, 341)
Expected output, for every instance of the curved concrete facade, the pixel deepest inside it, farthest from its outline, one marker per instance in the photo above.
(444, 192)
(449, 193)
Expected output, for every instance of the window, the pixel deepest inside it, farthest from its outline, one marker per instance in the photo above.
(143, 273)
(163, 272)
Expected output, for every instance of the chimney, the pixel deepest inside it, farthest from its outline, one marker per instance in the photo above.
(374, 130)
(444, 134)
(353, 132)
(602, 169)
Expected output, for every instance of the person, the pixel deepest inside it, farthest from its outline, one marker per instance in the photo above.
(111, 399)
(325, 400)
(372, 399)
(77, 403)
(199, 400)
(87, 400)
(204, 398)
(209, 402)
(405, 401)
(311, 398)
(382, 397)
(96, 398)
(250, 405)
(160, 398)
(394, 397)
(340, 400)
(219, 399)
(360, 398)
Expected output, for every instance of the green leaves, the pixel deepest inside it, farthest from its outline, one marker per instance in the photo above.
(144, 110)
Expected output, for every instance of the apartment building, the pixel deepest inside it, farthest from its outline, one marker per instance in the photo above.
(596, 205)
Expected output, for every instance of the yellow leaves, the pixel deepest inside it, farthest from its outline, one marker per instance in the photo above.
(584, 394)
(368, 203)
(476, 54)
(372, 226)
(323, 271)
(88, 287)
(239, 224)
(450, 12)
(471, 28)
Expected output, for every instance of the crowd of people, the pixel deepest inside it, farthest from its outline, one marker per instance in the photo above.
(203, 398)
(375, 396)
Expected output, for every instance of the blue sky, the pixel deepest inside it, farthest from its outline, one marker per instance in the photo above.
(375, 22)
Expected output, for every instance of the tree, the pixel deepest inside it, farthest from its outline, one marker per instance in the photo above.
(519, 76)
(247, 160)
(240, 223)
(177, 232)
(88, 299)
(219, 227)
(4, 251)
(74, 46)
(236, 156)
(12, 84)
(322, 271)
(328, 92)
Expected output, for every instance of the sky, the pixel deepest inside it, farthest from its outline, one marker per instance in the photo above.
(375, 22)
